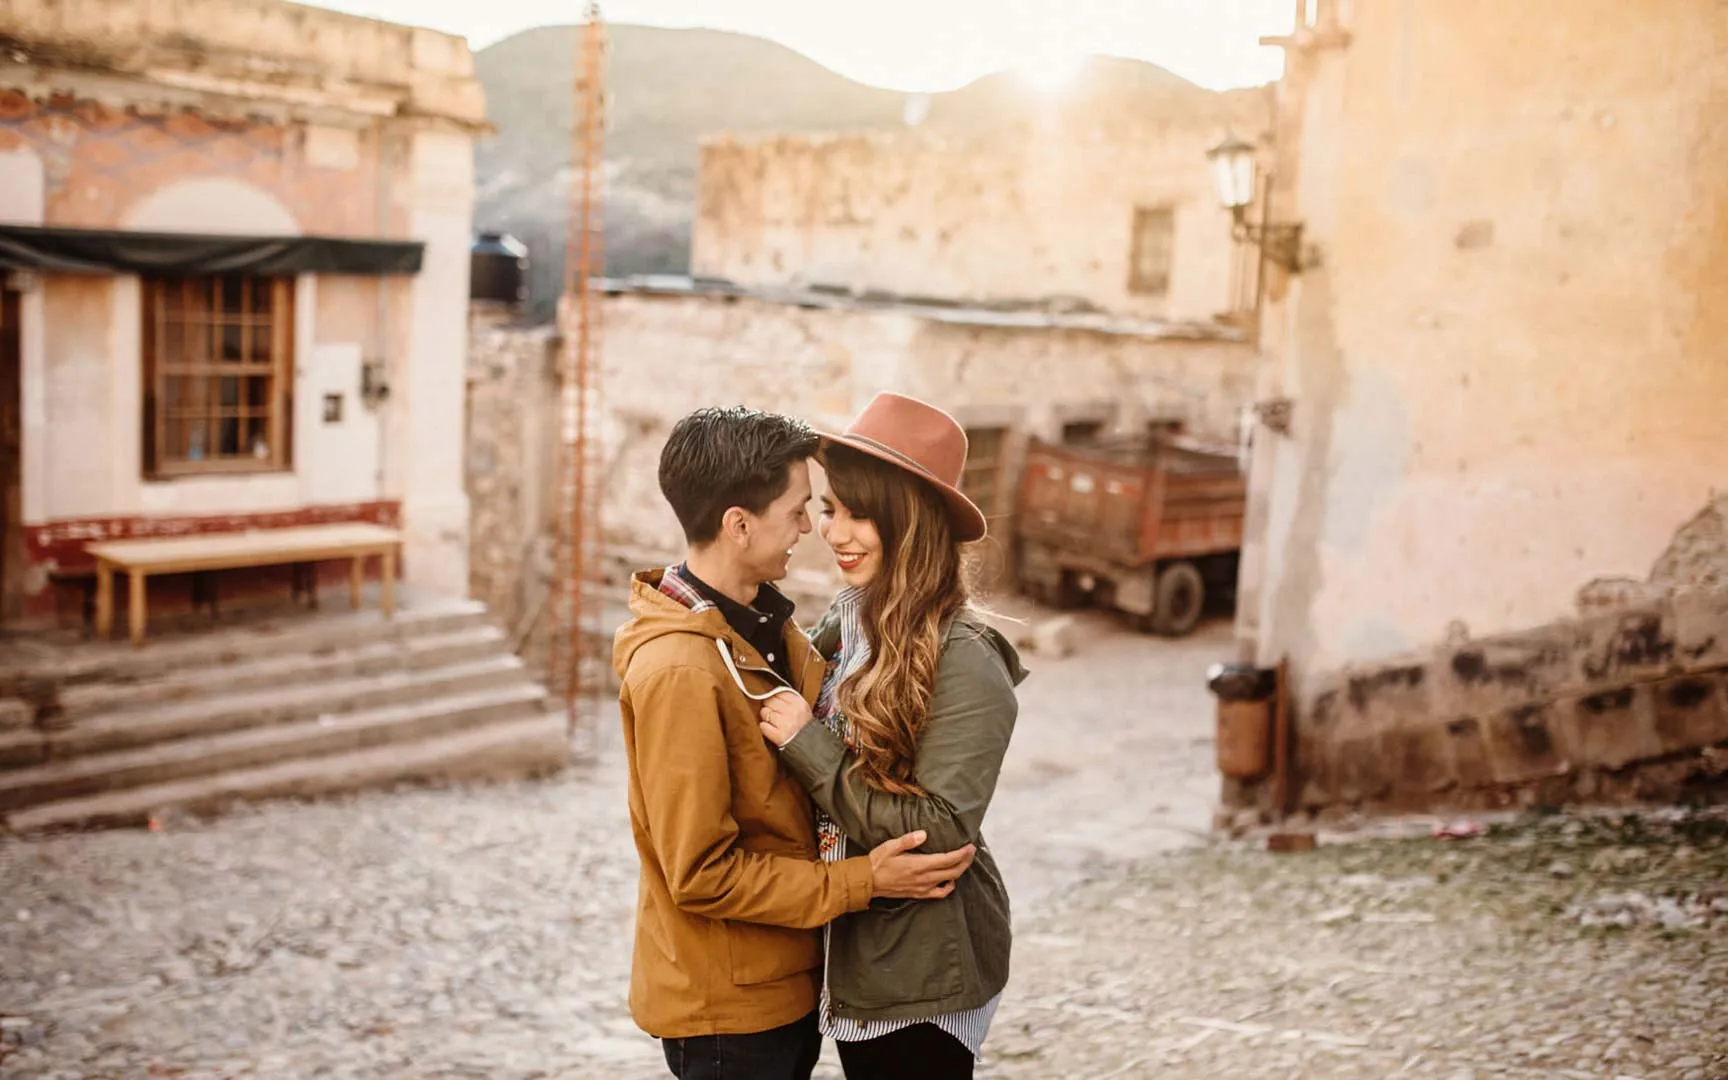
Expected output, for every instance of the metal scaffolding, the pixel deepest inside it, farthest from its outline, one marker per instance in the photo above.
(579, 657)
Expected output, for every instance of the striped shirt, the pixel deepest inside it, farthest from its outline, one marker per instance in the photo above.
(970, 1026)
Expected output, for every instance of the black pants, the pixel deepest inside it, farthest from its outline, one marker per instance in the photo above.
(785, 1053)
(919, 1052)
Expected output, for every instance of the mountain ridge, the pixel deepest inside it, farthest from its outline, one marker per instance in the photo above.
(670, 88)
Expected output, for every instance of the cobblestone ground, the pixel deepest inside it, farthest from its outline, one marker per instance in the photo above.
(1557, 947)
(485, 932)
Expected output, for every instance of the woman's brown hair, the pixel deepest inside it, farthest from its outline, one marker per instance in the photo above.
(920, 586)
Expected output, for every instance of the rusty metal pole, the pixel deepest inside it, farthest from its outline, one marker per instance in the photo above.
(580, 570)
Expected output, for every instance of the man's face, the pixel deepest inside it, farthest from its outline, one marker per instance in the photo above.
(773, 534)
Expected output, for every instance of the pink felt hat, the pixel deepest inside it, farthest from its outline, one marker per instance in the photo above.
(923, 440)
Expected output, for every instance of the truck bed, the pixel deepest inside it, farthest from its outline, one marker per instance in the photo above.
(1132, 503)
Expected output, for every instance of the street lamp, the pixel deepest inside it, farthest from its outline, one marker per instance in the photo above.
(1233, 172)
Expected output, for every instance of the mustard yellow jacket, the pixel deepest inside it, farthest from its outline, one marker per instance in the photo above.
(733, 895)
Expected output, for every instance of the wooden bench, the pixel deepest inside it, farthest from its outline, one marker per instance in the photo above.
(142, 559)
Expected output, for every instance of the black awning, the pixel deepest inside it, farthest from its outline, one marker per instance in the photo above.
(116, 251)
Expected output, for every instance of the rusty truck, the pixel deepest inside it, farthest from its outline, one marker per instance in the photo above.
(1149, 526)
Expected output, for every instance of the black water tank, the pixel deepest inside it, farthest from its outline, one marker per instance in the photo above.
(498, 269)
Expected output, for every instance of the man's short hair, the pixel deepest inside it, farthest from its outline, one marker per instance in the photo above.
(716, 459)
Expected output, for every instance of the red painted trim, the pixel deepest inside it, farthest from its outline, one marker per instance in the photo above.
(59, 545)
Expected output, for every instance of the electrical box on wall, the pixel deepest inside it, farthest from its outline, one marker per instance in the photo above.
(374, 382)
(338, 459)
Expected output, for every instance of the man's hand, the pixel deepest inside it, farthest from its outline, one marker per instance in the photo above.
(902, 875)
(783, 716)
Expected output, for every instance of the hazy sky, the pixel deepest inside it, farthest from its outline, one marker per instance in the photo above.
(922, 44)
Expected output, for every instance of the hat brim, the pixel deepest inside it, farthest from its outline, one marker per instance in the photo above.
(970, 525)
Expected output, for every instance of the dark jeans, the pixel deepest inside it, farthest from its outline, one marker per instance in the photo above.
(785, 1053)
(922, 1050)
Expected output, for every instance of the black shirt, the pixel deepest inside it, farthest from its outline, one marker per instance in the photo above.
(762, 624)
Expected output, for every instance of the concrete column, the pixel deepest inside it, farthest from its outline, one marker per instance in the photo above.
(23, 201)
(435, 504)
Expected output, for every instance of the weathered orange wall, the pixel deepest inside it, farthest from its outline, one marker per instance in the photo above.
(1510, 367)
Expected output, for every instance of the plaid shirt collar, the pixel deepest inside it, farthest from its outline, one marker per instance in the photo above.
(770, 601)
(672, 583)
(762, 624)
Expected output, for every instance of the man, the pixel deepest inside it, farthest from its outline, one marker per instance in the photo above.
(728, 958)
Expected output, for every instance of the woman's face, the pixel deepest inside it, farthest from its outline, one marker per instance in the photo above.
(857, 546)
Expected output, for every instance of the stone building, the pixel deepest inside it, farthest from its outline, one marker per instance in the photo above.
(234, 239)
(1127, 223)
(1490, 543)
(513, 457)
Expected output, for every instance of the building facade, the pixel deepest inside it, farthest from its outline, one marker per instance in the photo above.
(1007, 377)
(235, 245)
(1484, 543)
(1128, 224)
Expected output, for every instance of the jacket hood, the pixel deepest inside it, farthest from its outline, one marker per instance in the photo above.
(973, 622)
(654, 615)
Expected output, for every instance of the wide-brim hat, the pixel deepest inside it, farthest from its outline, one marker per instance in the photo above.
(923, 440)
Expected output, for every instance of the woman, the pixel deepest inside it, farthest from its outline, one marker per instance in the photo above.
(912, 723)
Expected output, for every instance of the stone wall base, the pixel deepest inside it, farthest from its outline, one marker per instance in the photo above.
(1622, 706)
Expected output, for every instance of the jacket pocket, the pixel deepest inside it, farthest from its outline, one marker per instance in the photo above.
(897, 955)
(764, 954)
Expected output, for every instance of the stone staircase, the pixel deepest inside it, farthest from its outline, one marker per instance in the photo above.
(110, 735)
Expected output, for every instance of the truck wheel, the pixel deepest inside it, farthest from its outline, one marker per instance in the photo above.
(1069, 594)
(1181, 599)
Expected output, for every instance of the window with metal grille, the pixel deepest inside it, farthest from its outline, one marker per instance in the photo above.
(982, 478)
(1153, 250)
(218, 371)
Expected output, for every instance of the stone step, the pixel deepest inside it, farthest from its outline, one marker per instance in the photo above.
(533, 744)
(126, 728)
(327, 661)
(300, 633)
(179, 758)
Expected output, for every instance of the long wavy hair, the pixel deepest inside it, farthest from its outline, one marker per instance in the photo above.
(920, 586)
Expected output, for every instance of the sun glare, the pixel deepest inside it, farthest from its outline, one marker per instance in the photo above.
(1052, 74)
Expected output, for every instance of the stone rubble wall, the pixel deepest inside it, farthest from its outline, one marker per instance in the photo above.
(511, 464)
(1629, 705)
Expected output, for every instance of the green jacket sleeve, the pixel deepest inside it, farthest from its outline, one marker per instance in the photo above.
(972, 713)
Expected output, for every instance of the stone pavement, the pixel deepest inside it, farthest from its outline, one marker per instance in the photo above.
(485, 932)
(1553, 948)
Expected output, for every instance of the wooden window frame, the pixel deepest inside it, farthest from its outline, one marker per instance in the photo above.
(1138, 283)
(201, 308)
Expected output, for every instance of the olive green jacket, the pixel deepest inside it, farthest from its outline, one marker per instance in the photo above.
(912, 959)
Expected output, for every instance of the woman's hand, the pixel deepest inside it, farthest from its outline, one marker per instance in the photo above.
(783, 716)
